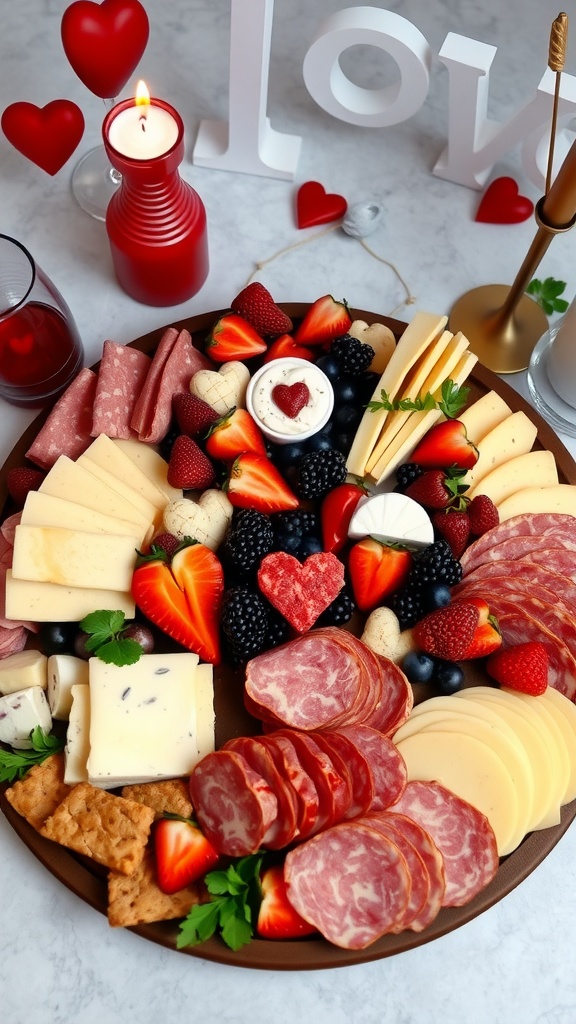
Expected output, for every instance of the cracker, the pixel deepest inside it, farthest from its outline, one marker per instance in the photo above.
(39, 793)
(109, 829)
(138, 900)
(169, 795)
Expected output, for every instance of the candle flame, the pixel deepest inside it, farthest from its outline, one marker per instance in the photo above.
(142, 99)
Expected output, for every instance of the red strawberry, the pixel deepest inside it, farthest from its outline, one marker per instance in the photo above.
(233, 434)
(291, 398)
(436, 488)
(168, 542)
(483, 515)
(446, 444)
(189, 469)
(454, 527)
(257, 306)
(233, 338)
(326, 319)
(286, 346)
(183, 854)
(487, 636)
(193, 415)
(448, 632)
(21, 480)
(255, 483)
(523, 667)
(376, 570)
(277, 918)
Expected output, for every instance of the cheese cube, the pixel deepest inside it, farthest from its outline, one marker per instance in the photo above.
(49, 602)
(20, 713)
(73, 559)
(64, 672)
(18, 671)
(78, 736)
(142, 720)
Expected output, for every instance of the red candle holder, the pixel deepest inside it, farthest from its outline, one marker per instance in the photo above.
(156, 222)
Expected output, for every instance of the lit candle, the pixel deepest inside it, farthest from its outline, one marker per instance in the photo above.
(143, 131)
(561, 363)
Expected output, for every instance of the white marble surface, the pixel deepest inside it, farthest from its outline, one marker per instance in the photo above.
(59, 961)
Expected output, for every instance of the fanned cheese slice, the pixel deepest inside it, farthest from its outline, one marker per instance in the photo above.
(511, 476)
(152, 513)
(419, 334)
(109, 456)
(558, 498)
(392, 518)
(513, 436)
(73, 482)
(151, 463)
(483, 415)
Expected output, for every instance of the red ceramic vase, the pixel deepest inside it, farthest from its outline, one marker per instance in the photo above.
(156, 223)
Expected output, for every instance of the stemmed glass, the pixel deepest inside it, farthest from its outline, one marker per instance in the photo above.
(95, 180)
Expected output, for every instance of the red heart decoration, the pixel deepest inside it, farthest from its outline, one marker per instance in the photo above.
(316, 206)
(46, 135)
(291, 398)
(301, 591)
(105, 42)
(503, 204)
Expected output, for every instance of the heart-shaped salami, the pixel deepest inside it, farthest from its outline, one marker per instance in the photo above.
(316, 206)
(503, 204)
(291, 398)
(301, 591)
(105, 42)
(45, 135)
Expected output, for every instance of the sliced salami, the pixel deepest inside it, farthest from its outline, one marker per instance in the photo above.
(462, 834)
(351, 882)
(334, 794)
(386, 763)
(234, 804)
(433, 860)
(174, 363)
(518, 574)
(121, 376)
(283, 829)
(360, 771)
(67, 431)
(288, 764)
(545, 524)
(419, 877)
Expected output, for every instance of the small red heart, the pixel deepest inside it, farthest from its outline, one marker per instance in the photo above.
(291, 398)
(46, 135)
(301, 592)
(316, 206)
(503, 204)
(105, 42)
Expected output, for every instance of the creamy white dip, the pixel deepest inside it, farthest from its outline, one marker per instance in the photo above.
(289, 371)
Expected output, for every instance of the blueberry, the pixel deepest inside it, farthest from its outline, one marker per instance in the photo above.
(436, 595)
(288, 542)
(319, 443)
(345, 391)
(418, 667)
(329, 366)
(448, 677)
(287, 454)
(347, 417)
(57, 637)
(310, 546)
(343, 441)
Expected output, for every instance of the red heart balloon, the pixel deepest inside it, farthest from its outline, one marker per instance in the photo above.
(46, 135)
(315, 206)
(503, 204)
(105, 42)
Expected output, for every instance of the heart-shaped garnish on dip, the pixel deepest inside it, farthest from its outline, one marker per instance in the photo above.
(291, 398)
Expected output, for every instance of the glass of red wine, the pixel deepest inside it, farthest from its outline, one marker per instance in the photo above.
(40, 347)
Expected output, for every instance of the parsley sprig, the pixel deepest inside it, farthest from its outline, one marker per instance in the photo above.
(15, 763)
(235, 895)
(452, 398)
(106, 641)
(546, 293)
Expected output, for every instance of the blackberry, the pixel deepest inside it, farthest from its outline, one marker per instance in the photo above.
(435, 564)
(338, 612)
(406, 474)
(167, 442)
(278, 629)
(319, 472)
(249, 539)
(245, 623)
(406, 604)
(353, 356)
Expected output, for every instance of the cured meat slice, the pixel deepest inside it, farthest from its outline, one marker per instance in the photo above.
(386, 763)
(234, 804)
(175, 362)
(462, 834)
(67, 431)
(283, 829)
(536, 524)
(287, 762)
(555, 615)
(334, 794)
(360, 771)
(12, 639)
(433, 860)
(121, 376)
(419, 877)
(397, 699)
(516, 574)
(351, 882)
(559, 560)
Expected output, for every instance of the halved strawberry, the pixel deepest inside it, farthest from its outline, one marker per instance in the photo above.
(233, 338)
(487, 637)
(448, 632)
(233, 434)
(376, 570)
(198, 572)
(326, 319)
(256, 305)
(159, 597)
(445, 444)
(255, 483)
(277, 918)
(286, 346)
(183, 853)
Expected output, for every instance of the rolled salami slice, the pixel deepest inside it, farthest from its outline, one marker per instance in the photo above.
(234, 804)
(121, 376)
(462, 834)
(386, 763)
(351, 882)
(283, 829)
(67, 431)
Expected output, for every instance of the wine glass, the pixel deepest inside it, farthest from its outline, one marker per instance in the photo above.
(95, 180)
(40, 348)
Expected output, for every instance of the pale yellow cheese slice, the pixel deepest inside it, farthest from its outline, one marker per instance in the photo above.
(419, 334)
(513, 475)
(77, 746)
(151, 463)
(49, 602)
(513, 436)
(152, 513)
(205, 718)
(73, 482)
(73, 559)
(483, 415)
(109, 456)
(558, 739)
(45, 510)
(557, 498)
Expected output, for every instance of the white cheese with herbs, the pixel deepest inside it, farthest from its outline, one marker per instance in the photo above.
(20, 713)
(392, 518)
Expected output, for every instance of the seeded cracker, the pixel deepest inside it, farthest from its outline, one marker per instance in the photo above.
(111, 830)
(138, 900)
(169, 795)
(39, 793)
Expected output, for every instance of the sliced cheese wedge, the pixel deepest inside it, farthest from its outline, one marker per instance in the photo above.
(49, 602)
(73, 482)
(73, 559)
(483, 415)
(557, 498)
(513, 436)
(45, 510)
(393, 519)
(420, 333)
(151, 463)
(109, 456)
(151, 512)
(512, 476)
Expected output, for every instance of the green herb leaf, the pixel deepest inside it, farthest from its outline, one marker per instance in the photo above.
(199, 925)
(546, 293)
(106, 641)
(452, 399)
(120, 652)
(15, 763)
(231, 910)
